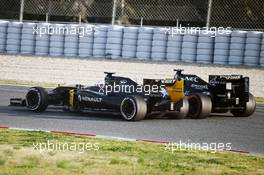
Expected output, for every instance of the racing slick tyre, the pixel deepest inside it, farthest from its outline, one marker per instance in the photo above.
(133, 108)
(37, 99)
(200, 106)
(248, 110)
(183, 111)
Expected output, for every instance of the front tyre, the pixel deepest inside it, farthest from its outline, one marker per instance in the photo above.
(248, 110)
(133, 108)
(37, 99)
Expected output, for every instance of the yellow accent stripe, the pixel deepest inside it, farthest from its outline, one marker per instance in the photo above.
(71, 99)
(176, 91)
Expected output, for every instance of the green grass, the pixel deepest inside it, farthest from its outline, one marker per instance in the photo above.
(17, 156)
(2, 161)
(260, 99)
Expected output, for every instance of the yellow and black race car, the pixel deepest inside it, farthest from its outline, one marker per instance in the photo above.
(221, 94)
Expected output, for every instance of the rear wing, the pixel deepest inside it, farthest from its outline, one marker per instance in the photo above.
(218, 79)
(224, 79)
(237, 84)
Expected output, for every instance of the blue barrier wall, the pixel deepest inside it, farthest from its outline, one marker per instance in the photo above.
(142, 43)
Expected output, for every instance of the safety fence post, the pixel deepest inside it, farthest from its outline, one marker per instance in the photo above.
(114, 12)
(21, 10)
(209, 11)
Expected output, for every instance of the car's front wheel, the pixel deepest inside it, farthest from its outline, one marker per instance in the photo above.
(37, 99)
(133, 108)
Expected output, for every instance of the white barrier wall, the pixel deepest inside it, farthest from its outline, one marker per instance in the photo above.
(142, 43)
(129, 47)
(237, 47)
(13, 42)
(189, 48)
(221, 49)
(86, 40)
(159, 44)
(205, 49)
(174, 47)
(28, 39)
(71, 42)
(56, 47)
(252, 48)
(114, 42)
(100, 40)
(261, 61)
(3, 34)
(42, 40)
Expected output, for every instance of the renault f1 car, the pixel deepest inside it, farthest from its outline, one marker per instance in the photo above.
(116, 94)
(185, 95)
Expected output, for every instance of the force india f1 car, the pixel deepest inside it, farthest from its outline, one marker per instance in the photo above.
(182, 96)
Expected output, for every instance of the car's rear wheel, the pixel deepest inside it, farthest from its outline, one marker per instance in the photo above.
(248, 110)
(200, 106)
(133, 108)
(37, 99)
(183, 110)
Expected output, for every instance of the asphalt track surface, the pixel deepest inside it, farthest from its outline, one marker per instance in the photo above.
(246, 134)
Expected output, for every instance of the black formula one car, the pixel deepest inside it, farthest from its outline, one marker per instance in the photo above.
(182, 96)
(116, 94)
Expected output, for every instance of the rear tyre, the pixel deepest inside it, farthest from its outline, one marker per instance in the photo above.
(200, 106)
(37, 99)
(133, 108)
(183, 111)
(248, 110)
